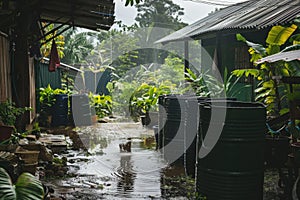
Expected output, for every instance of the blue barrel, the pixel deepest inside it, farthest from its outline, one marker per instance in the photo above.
(81, 110)
(60, 110)
(234, 168)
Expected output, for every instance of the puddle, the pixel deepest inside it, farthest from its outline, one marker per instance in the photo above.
(108, 173)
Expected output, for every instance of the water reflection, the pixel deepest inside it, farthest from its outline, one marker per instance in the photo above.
(139, 174)
(126, 174)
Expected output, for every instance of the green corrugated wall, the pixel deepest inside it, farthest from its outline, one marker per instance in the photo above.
(43, 77)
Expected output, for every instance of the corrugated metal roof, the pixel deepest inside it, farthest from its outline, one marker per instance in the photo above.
(253, 14)
(285, 56)
(91, 14)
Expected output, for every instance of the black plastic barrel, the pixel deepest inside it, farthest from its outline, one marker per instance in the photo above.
(191, 130)
(80, 109)
(233, 169)
(190, 133)
(161, 118)
(60, 110)
(173, 130)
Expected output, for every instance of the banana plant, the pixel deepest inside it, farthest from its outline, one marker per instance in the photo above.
(268, 90)
(206, 85)
(27, 187)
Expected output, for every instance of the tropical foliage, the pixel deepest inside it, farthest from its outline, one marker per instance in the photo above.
(145, 98)
(47, 100)
(268, 90)
(123, 90)
(9, 112)
(159, 13)
(78, 45)
(26, 187)
(59, 40)
(206, 85)
(102, 104)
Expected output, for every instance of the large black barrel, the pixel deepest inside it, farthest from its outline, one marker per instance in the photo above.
(60, 110)
(191, 130)
(173, 129)
(233, 169)
(161, 122)
(80, 109)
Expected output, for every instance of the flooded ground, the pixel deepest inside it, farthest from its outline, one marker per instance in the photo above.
(107, 172)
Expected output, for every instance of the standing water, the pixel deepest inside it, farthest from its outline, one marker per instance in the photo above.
(110, 171)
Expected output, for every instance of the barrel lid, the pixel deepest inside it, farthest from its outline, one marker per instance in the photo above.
(232, 104)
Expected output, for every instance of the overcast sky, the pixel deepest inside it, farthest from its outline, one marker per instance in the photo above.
(193, 11)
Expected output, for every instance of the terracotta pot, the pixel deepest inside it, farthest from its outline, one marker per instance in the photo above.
(29, 157)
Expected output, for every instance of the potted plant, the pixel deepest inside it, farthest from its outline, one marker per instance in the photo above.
(8, 115)
(144, 100)
(47, 100)
(101, 106)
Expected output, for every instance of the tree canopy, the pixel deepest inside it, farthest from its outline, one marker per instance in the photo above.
(159, 13)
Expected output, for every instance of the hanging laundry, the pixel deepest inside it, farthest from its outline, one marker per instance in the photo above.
(54, 58)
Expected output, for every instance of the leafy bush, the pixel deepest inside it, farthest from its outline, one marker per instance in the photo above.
(102, 104)
(47, 100)
(9, 112)
(145, 98)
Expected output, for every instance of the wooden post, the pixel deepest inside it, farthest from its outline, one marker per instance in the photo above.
(186, 56)
(21, 66)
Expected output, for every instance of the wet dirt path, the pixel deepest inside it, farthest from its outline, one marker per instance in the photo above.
(109, 173)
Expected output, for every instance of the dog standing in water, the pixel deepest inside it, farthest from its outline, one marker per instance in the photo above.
(125, 147)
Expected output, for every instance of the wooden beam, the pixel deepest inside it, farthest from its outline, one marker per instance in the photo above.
(186, 57)
(21, 79)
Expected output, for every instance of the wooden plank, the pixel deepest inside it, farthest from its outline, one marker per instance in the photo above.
(5, 83)
(32, 90)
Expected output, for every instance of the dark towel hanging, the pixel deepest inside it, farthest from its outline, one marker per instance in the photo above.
(54, 58)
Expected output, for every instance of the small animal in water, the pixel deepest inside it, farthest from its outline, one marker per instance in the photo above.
(125, 147)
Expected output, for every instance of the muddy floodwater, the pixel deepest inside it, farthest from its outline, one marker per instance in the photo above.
(107, 172)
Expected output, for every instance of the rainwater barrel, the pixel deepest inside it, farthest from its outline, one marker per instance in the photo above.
(173, 129)
(191, 130)
(161, 118)
(233, 169)
(80, 109)
(60, 110)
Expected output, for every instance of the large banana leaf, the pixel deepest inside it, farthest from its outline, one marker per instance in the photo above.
(260, 49)
(27, 187)
(278, 35)
(7, 191)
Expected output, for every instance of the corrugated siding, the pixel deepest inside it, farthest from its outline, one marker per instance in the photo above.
(5, 70)
(44, 77)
